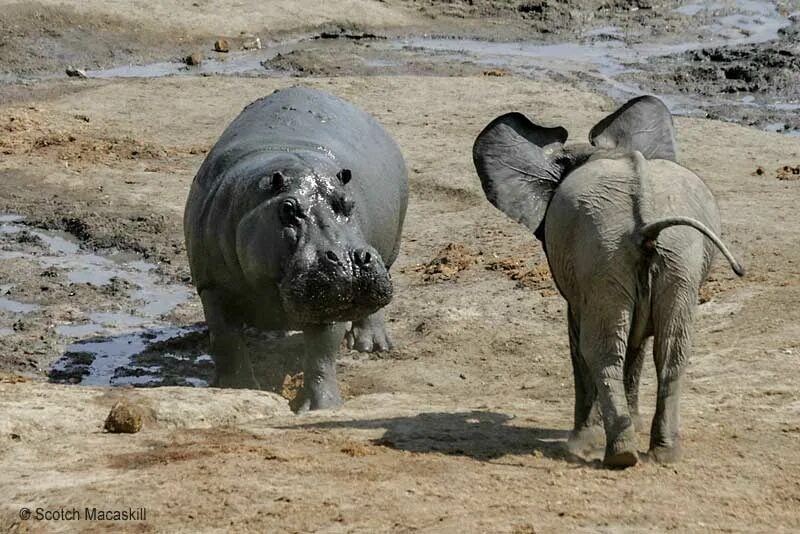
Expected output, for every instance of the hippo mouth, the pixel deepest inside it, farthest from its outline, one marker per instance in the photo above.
(320, 297)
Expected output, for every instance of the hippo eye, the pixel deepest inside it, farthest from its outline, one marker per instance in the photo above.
(290, 212)
(342, 206)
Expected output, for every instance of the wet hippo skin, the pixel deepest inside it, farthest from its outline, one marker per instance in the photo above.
(292, 223)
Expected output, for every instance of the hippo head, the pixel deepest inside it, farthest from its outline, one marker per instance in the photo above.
(306, 236)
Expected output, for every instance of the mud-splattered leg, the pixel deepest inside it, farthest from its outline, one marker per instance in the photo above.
(232, 365)
(320, 389)
(672, 346)
(603, 340)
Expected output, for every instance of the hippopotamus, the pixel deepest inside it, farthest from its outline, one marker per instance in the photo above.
(292, 223)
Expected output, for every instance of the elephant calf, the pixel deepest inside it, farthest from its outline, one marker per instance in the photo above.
(629, 236)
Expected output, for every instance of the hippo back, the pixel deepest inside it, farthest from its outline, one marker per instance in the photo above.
(300, 118)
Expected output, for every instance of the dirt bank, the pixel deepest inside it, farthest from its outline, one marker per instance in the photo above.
(462, 426)
(459, 360)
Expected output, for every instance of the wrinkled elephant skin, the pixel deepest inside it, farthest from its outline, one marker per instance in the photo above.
(629, 236)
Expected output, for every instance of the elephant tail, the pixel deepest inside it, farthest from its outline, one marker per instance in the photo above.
(650, 234)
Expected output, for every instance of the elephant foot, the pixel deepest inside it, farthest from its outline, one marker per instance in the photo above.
(665, 455)
(621, 460)
(318, 397)
(621, 451)
(369, 334)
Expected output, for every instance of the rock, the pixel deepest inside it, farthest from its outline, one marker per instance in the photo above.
(251, 44)
(787, 172)
(72, 72)
(124, 418)
(194, 59)
(222, 45)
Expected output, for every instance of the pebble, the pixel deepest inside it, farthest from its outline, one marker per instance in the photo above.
(194, 59)
(72, 72)
(252, 44)
(222, 45)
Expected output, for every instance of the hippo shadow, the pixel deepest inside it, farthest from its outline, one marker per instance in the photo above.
(174, 356)
(480, 435)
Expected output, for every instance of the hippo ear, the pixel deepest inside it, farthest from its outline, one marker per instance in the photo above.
(344, 175)
(643, 123)
(520, 165)
(273, 183)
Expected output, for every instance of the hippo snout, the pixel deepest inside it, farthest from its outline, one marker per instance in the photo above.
(343, 285)
(359, 259)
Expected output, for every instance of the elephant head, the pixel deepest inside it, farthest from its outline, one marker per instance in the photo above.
(520, 163)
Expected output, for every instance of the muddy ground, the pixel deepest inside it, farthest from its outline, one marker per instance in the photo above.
(462, 426)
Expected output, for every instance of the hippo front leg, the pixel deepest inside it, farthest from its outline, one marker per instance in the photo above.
(369, 334)
(232, 365)
(320, 389)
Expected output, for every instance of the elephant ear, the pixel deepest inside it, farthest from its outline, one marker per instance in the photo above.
(519, 165)
(643, 123)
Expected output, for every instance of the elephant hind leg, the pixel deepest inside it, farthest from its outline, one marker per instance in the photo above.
(588, 425)
(603, 344)
(634, 358)
(671, 349)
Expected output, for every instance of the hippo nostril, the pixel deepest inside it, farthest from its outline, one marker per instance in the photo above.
(332, 256)
(363, 257)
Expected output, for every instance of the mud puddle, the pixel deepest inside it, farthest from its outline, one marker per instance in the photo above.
(607, 59)
(155, 356)
(610, 61)
(111, 346)
(235, 63)
(255, 62)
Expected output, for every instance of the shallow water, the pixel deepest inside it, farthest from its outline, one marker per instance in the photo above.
(126, 332)
(16, 307)
(601, 55)
(604, 60)
(111, 354)
(217, 64)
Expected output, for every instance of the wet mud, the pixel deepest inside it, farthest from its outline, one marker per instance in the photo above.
(735, 60)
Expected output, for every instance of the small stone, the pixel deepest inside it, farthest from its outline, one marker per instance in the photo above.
(252, 44)
(72, 72)
(124, 417)
(194, 59)
(222, 45)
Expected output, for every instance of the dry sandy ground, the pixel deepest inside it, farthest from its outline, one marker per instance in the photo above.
(462, 426)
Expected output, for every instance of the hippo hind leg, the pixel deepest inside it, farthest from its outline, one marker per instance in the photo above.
(369, 334)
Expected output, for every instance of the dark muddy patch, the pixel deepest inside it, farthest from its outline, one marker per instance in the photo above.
(39, 39)
(58, 283)
(756, 85)
(152, 357)
(176, 356)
